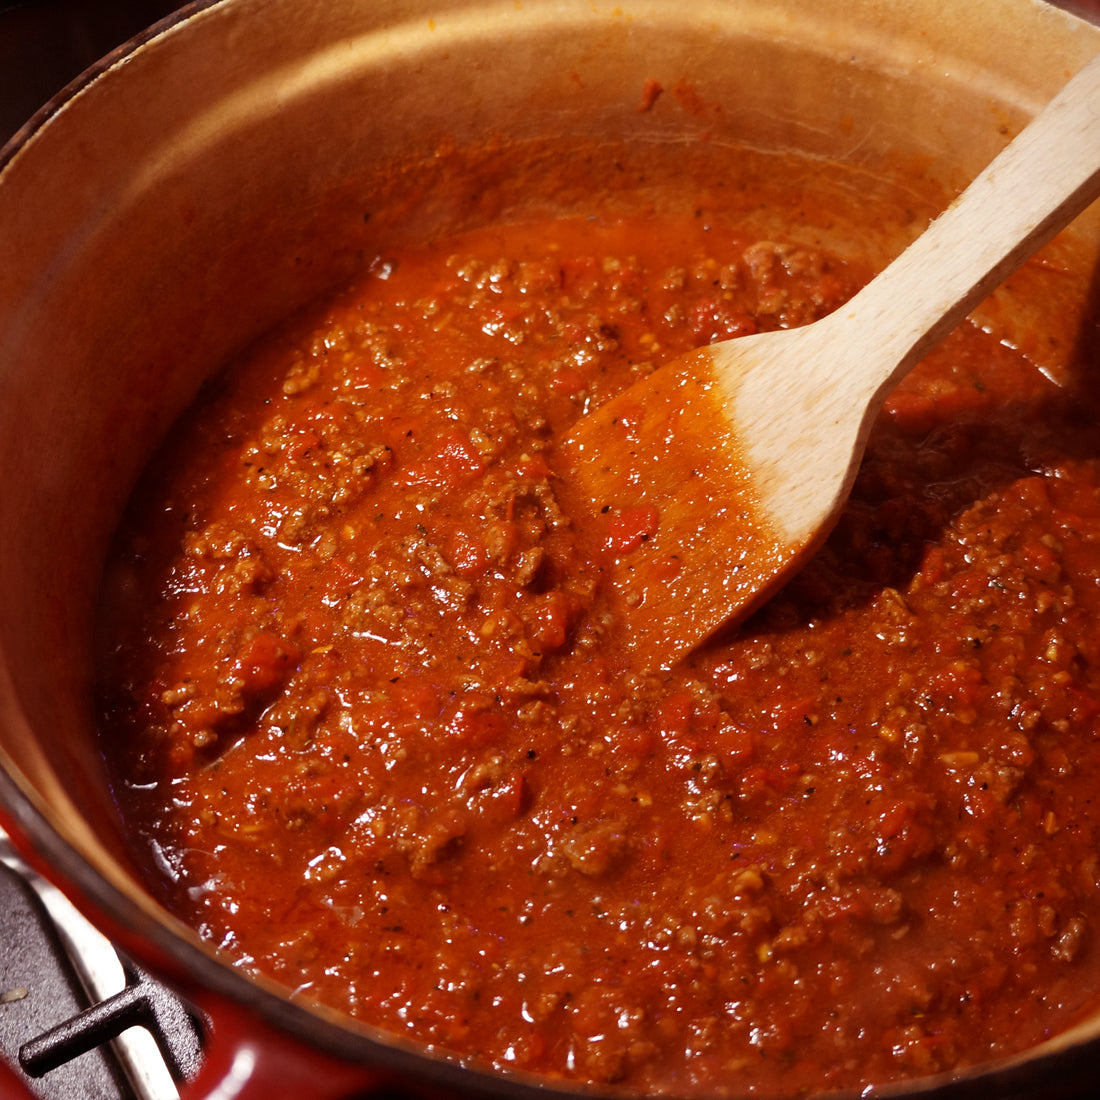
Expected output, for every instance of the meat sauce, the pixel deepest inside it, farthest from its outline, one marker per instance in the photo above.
(370, 719)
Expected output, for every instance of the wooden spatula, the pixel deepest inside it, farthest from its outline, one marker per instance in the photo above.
(743, 453)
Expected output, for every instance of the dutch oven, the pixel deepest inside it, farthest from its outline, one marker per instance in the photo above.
(214, 175)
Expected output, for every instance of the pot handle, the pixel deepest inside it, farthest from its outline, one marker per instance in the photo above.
(246, 1059)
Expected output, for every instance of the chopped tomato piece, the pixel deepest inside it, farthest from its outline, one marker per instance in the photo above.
(630, 529)
(264, 664)
(454, 462)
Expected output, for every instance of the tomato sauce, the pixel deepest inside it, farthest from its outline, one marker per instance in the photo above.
(371, 723)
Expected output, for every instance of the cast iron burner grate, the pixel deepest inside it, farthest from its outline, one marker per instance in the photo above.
(77, 1022)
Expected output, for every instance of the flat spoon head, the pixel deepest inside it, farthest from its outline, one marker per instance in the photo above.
(735, 460)
(728, 515)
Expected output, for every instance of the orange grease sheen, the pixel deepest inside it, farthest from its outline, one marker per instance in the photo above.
(377, 736)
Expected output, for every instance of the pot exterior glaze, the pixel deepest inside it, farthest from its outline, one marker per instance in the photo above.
(245, 156)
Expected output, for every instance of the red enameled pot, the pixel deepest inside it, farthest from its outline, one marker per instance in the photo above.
(213, 175)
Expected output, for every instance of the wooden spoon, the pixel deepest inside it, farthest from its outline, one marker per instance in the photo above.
(740, 456)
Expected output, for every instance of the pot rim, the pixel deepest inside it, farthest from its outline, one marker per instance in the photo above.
(195, 968)
(57, 102)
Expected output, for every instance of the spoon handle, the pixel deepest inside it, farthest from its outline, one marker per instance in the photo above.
(1035, 187)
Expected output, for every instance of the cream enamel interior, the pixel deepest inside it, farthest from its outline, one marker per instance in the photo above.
(217, 177)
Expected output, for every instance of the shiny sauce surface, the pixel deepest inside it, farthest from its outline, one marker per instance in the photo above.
(376, 737)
